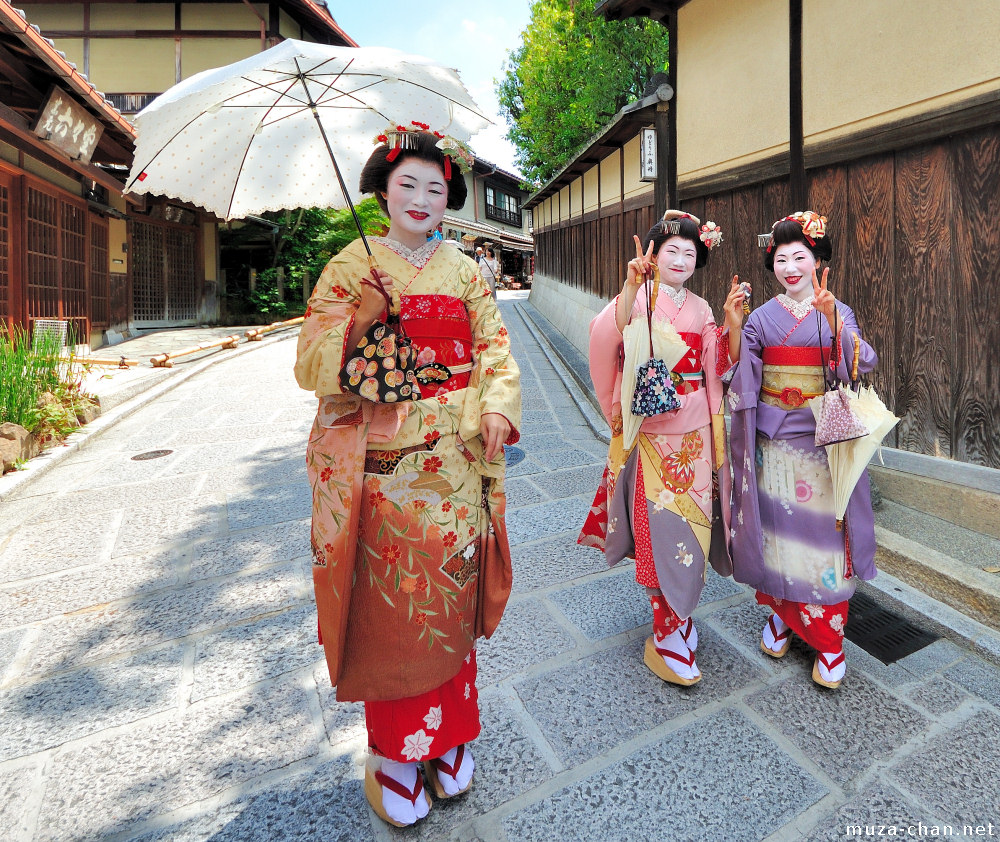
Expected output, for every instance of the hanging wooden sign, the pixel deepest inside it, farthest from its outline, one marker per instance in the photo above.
(68, 126)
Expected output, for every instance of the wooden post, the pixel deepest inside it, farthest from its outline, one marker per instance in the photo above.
(253, 279)
(280, 275)
(663, 196)
(798, 188)
(306, 286)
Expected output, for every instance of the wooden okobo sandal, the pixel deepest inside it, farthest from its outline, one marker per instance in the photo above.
(375, 780)
(653, 658)
(434, 767)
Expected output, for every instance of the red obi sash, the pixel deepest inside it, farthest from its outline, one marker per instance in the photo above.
(441, 333)
(794, 355)
(689, 367)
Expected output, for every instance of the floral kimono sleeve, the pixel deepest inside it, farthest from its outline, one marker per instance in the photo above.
(329, 317)
(495, 384)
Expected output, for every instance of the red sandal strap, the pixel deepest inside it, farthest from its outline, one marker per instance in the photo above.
(686, 630)
(451, 770)
(831, 665)
(668, 653)
(400, 789)
(774, 631)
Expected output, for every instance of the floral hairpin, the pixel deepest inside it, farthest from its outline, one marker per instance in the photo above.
(710, 234)
(398, 138)
(813, 227)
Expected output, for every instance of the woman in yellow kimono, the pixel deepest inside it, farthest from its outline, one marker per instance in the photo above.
(407, 495)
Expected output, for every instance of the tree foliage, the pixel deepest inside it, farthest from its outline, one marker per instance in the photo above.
(302, 242)
(572, 73)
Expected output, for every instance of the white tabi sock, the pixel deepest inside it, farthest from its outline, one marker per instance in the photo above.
(400, 809)
(455, 785)
(674, 642)
(768, 637)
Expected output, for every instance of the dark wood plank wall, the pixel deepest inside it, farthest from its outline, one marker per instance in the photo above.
(916, 238)
(976, 298)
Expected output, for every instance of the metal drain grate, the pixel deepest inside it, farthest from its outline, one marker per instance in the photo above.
(882, 633)
(151, 454)
(513, 454)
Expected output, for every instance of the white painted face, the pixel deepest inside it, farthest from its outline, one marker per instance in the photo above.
(794, 265)
(416, 197)
(676, 259)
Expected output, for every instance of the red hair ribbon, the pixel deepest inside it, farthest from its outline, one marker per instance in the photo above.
(447, 167)
(393, 154)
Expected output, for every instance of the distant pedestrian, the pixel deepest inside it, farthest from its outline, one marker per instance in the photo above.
(786, 542)
(489, 268)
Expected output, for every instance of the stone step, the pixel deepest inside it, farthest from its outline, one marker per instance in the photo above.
(940, 558)
(963, 504)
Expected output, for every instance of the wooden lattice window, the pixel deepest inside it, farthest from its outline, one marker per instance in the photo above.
(56, 269)
(181, 280)
(43, 256)
(100, 274)
(6, 295)
(165, 273)
(149, 297)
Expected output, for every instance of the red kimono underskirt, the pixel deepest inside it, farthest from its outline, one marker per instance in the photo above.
(824, 633)
(426, 726)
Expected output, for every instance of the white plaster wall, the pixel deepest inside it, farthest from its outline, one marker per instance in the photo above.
(569, 309)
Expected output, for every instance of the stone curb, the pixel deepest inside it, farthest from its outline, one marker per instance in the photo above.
(18, 481)
(562, 358)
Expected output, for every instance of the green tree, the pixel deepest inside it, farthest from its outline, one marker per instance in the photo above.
(572, 73)
(302, 241)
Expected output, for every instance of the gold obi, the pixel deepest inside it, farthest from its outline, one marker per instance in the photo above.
(792, 375)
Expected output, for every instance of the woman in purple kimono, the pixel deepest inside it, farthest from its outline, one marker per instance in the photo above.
(655, 498)
(786, 542)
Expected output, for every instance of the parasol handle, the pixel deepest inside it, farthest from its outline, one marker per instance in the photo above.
(854, 365)
(333, 158)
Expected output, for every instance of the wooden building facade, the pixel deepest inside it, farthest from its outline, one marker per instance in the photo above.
(149, 261)
(882, 116)
(60, 211)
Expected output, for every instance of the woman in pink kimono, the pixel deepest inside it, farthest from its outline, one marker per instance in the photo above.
(407, 494)
(655, 501)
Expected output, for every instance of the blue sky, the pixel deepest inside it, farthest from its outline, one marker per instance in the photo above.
(473, 37)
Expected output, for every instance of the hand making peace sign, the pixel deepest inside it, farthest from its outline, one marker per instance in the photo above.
(640, 267)
(824, 300)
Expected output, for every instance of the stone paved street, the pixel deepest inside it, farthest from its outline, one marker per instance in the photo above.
(160, 677)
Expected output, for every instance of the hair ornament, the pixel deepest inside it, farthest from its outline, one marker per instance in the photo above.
(710, 234)
(764, 240)
(813, 225)
(672, 221)
(400, 137)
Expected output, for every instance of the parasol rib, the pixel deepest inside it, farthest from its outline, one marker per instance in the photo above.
(336, 166)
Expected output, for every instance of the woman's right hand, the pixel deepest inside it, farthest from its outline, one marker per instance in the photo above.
(638, 267)
(733, 307)
(372, 301)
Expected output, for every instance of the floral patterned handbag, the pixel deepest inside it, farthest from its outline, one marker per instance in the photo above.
(655, 392)
(837, 421)
(383, 368)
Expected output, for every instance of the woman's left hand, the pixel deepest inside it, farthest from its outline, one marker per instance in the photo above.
(494, 429)
(825, 301)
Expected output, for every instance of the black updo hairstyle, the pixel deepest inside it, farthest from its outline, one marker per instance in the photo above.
(687, 228)
(423, 146)
(789, 231)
